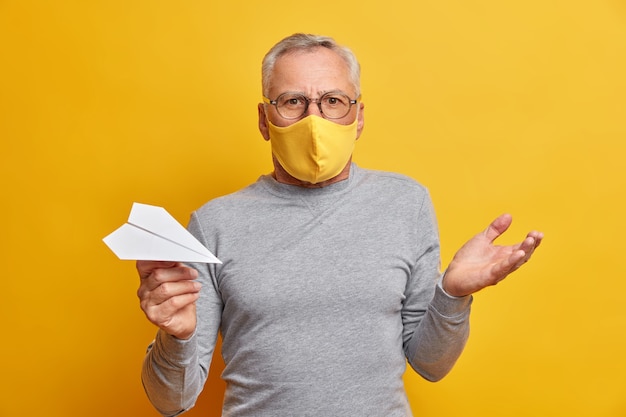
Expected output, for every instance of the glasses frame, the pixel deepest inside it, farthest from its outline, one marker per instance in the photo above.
(308, 102)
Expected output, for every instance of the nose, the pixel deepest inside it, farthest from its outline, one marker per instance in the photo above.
(314, 107)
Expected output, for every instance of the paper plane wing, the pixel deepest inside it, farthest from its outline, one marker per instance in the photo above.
(152, 234)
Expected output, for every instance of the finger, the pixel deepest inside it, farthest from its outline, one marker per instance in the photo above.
(498, 226)
(508, 265)
(163, 314)
(538, 236)
(165, 291)
(528, 245)
(532, 241)
(162, 275)
(145, 268)
(523, 254)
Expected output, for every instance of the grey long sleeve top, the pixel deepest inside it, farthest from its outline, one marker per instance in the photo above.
(322, 297)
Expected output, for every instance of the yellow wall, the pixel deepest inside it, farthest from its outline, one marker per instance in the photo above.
(495, 106)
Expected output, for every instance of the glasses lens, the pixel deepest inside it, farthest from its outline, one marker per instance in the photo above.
(335, 105)
(291, 106)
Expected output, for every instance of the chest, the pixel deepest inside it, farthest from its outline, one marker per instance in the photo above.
(305, 269)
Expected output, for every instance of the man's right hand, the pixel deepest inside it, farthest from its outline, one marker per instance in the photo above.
(168, 295)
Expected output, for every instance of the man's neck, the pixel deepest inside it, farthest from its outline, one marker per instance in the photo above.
(284, 177)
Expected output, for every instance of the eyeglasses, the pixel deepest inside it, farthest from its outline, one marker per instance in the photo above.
(332, 105)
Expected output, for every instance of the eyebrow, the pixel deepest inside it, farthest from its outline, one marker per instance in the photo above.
(320, 93)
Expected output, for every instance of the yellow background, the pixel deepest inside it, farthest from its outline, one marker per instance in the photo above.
(495, 106)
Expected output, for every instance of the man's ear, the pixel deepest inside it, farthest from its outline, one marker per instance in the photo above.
(263, 127)
(361, 121)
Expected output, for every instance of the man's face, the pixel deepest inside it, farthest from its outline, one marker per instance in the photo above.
(311, 73)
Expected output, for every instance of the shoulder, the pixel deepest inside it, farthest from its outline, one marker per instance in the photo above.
(234, 204)
(389, 182)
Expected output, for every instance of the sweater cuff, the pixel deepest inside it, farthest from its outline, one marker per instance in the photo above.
(448, 305)
(178, 351)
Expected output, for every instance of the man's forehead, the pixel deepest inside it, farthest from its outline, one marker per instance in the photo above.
(319, 54)
(320, 68)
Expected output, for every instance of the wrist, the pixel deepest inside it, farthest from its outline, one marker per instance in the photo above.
(450, 288)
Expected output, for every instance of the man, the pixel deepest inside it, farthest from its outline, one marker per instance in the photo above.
(330, 278)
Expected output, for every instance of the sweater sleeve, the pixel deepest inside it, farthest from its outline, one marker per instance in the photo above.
(174, 371)
(440, 337)
(436, 325)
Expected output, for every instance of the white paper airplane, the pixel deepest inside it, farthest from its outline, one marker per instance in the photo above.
(152, 234)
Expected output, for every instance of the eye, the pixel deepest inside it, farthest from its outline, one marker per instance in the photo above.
(291, 101)
(335, 100)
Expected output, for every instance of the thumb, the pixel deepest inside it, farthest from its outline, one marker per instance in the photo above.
(498, 226)
(145, 268)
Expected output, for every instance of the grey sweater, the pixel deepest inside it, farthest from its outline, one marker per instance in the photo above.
(322, 296)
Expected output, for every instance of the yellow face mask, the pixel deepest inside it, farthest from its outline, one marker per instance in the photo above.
(313, 149)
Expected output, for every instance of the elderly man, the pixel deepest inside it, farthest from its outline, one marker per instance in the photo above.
(330, 278)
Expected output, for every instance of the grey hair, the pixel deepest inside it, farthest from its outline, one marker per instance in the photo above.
(308, 42)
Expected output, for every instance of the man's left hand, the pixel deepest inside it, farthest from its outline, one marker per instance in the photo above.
(479, 263)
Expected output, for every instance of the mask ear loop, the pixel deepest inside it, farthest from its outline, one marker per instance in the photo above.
(358, 110)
